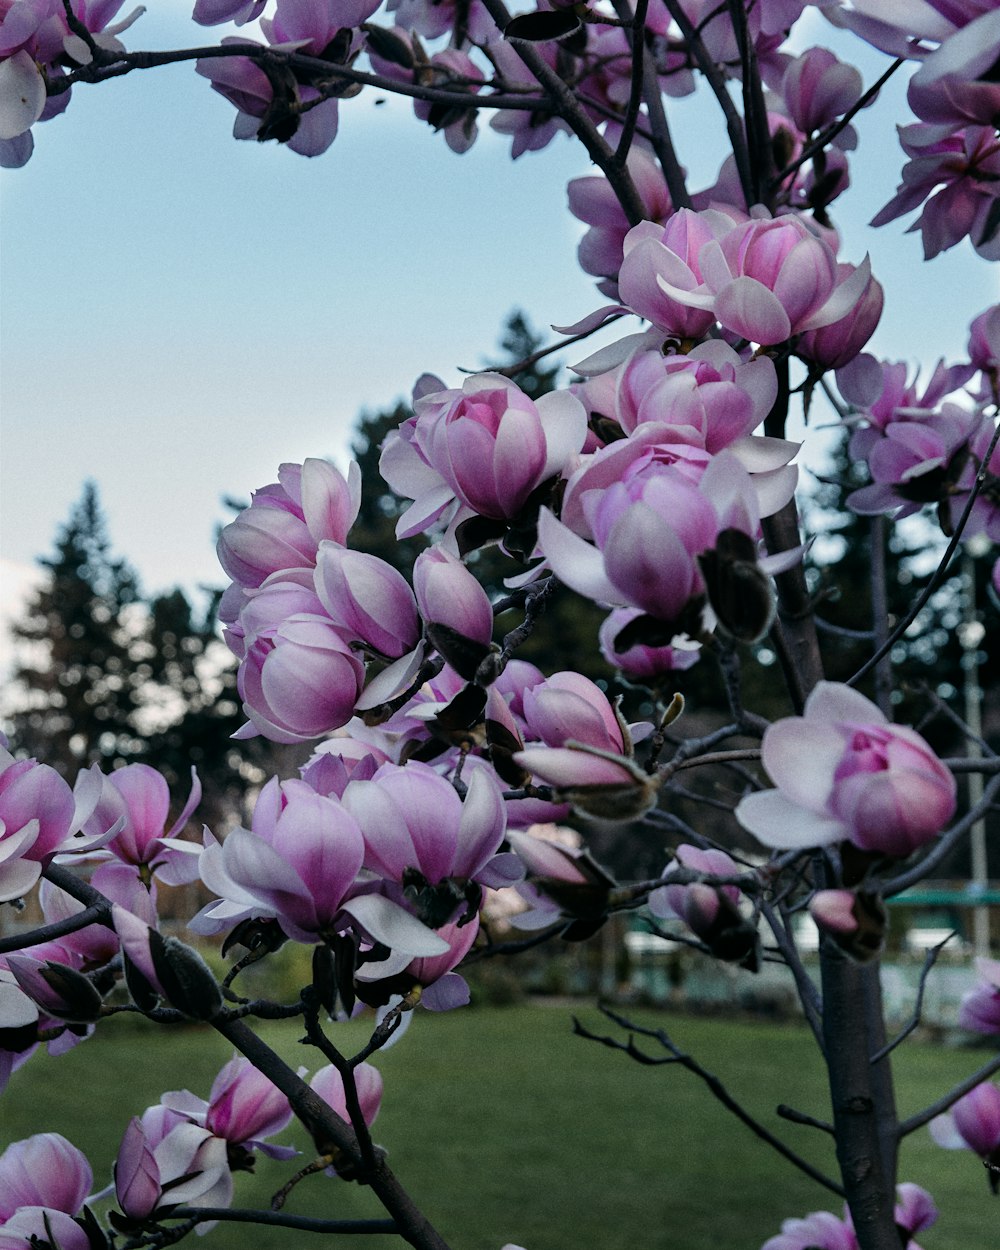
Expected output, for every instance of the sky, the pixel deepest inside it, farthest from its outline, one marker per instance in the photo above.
(181, 312)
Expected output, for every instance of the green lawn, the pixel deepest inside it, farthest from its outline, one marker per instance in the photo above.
(506, 1127)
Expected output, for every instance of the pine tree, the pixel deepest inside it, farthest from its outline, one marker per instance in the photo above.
(78, 681)
(109, 678)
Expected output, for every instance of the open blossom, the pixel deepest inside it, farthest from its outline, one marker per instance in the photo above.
(709, 398)
(37, 813)
(487, 446)
(136, 797)
(919, 462)
(665, 543)
(769, 279)
(36, 44)
(411, 818)
(955, 177)
(660, 261)
(846, 773)
(286, 521)
(165, 1159)
(915, 1210)
(818, 88)
(300, 864)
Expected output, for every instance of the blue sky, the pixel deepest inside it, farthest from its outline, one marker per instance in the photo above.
(181, 312)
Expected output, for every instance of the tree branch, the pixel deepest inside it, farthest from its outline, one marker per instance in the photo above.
(712, 1082)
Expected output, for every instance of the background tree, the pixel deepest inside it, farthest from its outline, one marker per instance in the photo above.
(105, 676)
(80, 683)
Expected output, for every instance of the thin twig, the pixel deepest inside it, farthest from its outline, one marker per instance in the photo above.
(826, 137)
(948, 1100)
(930, 959)
(95, 914)
(799, 1117)
(278, 1219)
(636, 36)
(716, 81)
(712, 1082)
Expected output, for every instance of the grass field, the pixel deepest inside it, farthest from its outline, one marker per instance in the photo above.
(506, 1127)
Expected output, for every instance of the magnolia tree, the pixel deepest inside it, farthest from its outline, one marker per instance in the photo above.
(658, 484)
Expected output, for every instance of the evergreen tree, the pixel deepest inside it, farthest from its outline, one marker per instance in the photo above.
(80, 701)
(111, 679)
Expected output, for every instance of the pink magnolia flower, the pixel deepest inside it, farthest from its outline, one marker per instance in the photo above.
(30, 1227)
(367, 600)
(641, 663)
(711, 912)
(433, 18)
(818, 88)
(846, 773)
(917, 462)
(955, 177)
(244, 1107)
(660, 261)
(530, 130)
(429, 982)
(36, 43)
(448, 594)
(310, 25)
(819, 1231)
(770, 279)
(915, 1210)
(165, 1159)
(881, 393)
(445, 67)
(137, 798)
(329, 1085)
(709, 397)
(37, 814)
(592, 201)
(698, 905)
(972, 1123)
(299, 677)
(980, 1008)
(300, 864)
(835, 345)
(341, 759)
(664, 543)
(412, 819)
(44, 1170)
(286, 521)
(487, 445)
(213, 12)
(954, 84)
(985, 515)
(443, 989)
(588, 753)
(984, 341)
